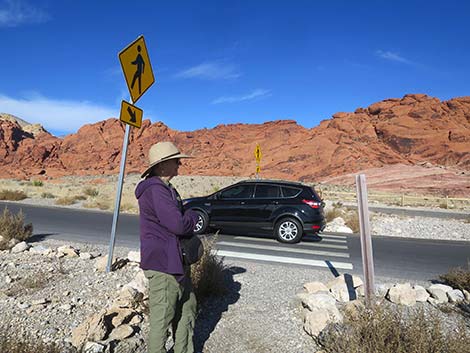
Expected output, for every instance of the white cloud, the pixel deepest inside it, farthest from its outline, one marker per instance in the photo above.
(257, 93)
(388, 55)
(211, 71)
(56, 115)
(17, 12)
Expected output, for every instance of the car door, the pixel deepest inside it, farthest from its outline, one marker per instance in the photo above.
(228, 208)
(263, 205)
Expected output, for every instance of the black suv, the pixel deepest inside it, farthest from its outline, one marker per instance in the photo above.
(287, 209)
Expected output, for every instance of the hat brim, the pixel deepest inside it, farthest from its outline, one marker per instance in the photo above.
(176, 156)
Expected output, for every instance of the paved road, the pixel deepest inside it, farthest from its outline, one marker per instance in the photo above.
(394, 257)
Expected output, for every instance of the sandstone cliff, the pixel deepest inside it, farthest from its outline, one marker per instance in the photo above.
(412, 130)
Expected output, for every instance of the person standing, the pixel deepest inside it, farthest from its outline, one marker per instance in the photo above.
(162, 224)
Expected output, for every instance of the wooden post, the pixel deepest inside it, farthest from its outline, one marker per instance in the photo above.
(366, 241)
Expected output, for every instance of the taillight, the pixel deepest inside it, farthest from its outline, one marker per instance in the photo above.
(312, 204)
(315, 227)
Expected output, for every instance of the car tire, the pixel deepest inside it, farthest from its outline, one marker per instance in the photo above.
(202, 224)
(288, 230)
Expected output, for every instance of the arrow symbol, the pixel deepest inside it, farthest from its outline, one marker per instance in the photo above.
(131, 114)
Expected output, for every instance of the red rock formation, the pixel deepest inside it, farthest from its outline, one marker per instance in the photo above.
(411, 130)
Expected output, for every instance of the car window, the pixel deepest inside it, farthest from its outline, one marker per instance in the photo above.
(266, 191)
(238, 192)
(290, 192)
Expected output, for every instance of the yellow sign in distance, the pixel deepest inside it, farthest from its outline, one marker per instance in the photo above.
(135, 63)
(258, 153)
(258, 169)
(131, 115)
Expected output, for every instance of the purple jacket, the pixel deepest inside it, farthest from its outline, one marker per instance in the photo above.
(161, 224)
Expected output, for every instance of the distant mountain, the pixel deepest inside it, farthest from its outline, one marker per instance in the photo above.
(27, 127)
(414, 130)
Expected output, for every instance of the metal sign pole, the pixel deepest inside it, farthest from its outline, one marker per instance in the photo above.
(117, 204)
(366, 241)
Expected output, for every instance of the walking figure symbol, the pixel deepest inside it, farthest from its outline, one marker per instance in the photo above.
(140, 66)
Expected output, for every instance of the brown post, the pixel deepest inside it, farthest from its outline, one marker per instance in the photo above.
(366, 241)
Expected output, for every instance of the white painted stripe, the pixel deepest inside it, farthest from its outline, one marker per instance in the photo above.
(284, 249)
(312, 244)
(328, 240)
(328, 236)
(288, 260)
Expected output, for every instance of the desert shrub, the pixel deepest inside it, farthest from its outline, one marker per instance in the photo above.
(65, 201)
(12, 195)
(28, 284)
(333, 213)
(352, 221)
(37, 183)
(69, 200)
(91, 192)
(208, 273)
(102, 205)
(13, 227)
(457, 278)
(389, 329)
(443, 205)
(47, 195)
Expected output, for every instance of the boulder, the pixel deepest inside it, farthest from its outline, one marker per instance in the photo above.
(342, 287)
(140, 283)
(337, 225)
(314, 287)
(39, 249)
(319, 301)
(20, 247)
(467, 295)
(67, 250)
(93, 347)
(121, 332)
(315, 321)
(86, 256)
(422, 294)
(92, 329)
(134, 256)
(439, 292)
(402, 294)
(455, 296)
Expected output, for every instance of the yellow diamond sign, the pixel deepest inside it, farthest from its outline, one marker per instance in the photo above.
(258, 154)
(135, 63)
(131, 115)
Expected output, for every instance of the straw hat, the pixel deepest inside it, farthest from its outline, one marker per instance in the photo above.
(162, 151)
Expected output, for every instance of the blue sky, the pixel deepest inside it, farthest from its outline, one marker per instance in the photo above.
(223, 62)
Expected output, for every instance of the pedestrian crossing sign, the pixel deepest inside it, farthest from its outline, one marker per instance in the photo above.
(135, 63)
(131, 115)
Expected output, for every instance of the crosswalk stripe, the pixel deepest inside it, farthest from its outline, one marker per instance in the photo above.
(289, 260)
(328, 240)
(285, 249)
(327, 236)
(314, 244)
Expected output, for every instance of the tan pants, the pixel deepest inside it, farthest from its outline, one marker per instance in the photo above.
(172, 303)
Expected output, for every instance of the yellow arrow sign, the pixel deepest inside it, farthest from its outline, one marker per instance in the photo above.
(135, 63)
(131, 115)
(258, 153)
(258, 169)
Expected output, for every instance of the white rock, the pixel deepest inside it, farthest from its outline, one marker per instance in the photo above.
(439, 293)
(93, 347)
(319, 301)
(360, 291)
(421, 294)
(121, 332)
(40, 301)
(134, 256)
(381, 290)
(314, 287)
(86, 256)
(467, 295)
(315, 321)
(455, 296)
(342, 287)
(67, 250)
(23, 306)
(20, 247)
(140, 283)
(39, 249)
(402, 294)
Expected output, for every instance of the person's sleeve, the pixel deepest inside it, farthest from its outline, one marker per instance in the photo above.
(169, 214)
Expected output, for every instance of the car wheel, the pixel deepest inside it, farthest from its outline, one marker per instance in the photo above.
(202, 223)
(288, 230)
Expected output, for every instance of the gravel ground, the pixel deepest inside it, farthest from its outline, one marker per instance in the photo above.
(260, 313)
(420, 227)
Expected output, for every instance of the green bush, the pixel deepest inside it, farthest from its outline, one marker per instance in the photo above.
(12, 195)
(389, 329)
(13, 227)
(37, 183)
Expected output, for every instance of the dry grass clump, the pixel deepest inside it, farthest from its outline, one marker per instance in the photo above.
(208, 273)
(457, 278)
(333, 213)
(28, 284)
(102, 205)
(47, 195)
(352, 221)
(92, 192)
(13, 227)
(37, 183)
(69, 200)
(12, 195)
(387, 329)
